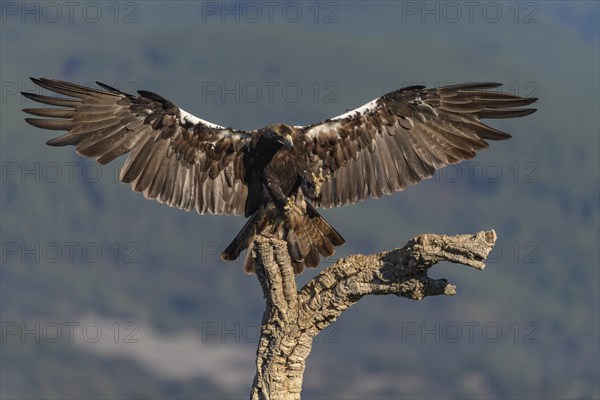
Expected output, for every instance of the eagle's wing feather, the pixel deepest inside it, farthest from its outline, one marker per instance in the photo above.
(175, 158)
(403, 137)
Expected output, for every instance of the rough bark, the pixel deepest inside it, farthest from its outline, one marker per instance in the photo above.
(293, 318)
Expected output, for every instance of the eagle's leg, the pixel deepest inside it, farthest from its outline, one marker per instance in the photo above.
(279, 198)
(283, 202)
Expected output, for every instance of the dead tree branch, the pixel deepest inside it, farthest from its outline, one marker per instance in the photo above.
(293, 318)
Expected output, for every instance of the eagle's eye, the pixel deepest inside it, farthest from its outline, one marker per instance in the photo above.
(281, 136)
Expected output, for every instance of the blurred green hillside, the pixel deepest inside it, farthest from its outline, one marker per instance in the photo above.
(159, 269)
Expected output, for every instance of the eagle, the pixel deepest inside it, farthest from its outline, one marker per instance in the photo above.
(278, 175)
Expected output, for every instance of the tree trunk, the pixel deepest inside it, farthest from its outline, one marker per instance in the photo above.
(293, 318)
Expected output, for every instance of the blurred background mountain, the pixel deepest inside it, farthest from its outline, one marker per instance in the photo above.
(107, 295)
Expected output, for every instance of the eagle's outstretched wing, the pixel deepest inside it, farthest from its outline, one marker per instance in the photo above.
(175, 157)
(403, 137)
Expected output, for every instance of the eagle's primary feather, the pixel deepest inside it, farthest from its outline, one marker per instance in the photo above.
(273, 174)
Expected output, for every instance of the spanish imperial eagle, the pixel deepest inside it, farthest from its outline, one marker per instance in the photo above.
(279, 174)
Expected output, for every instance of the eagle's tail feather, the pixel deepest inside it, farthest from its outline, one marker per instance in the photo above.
(245, 236)
(307, 239)
(326, 230)
(313, 236)
(249, 266)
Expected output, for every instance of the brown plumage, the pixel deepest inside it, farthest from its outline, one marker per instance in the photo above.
(276, 174)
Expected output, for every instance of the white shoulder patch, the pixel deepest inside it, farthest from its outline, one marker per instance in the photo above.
(325, 130)
(187, 117)
(370, 106)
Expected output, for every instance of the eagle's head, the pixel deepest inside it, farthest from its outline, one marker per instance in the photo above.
(282, 133)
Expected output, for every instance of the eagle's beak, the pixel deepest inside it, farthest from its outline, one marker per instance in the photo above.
(288, 141)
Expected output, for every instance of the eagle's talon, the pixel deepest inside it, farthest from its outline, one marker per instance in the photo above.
(313, 183)
(290, 206)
